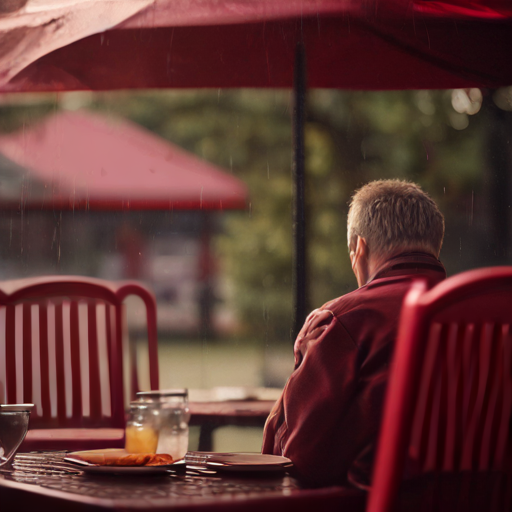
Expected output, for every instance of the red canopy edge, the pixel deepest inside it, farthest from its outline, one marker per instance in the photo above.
(483, 9)
(113, 204)
(181, 13)
(341, 53)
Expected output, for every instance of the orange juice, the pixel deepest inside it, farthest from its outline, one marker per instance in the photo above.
(141, 439)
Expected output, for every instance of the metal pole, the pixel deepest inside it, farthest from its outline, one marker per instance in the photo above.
(299, 216)
(499, 161)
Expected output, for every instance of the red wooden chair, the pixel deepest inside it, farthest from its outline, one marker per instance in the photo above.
(63, 338)
(448, 407)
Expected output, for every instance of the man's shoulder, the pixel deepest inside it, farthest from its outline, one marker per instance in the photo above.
(369, 315)
(373, 295)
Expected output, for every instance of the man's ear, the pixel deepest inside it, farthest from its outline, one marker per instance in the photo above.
(359, 259)
(361, 248)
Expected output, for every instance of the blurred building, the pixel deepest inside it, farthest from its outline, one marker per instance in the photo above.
(80, 194)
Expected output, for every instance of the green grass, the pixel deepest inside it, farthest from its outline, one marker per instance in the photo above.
(198, 364)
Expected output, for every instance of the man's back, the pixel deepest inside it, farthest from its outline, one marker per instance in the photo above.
(328, 417)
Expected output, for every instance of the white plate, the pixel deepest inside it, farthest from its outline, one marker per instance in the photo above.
(238, 462)
(121, 470)
(88, 467)
(127, 470)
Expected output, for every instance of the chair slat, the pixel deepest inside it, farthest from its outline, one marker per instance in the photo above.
(116, 378)
(472, 439)
(134, 374)
(94, 375)
(110, 336)
(471, 371)
(453, 393)
(102, 309)
(76, 373)
(44, 355)
(27, 353)
(59, 363)
(467, 357)
(502, 436)
(419, 440)
(10, 353)
(491, 415)
(436, 435)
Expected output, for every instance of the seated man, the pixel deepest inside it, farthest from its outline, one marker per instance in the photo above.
(328, 416)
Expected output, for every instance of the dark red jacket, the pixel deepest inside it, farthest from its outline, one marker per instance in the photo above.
(328, 416)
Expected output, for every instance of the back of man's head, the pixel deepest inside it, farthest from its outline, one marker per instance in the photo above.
(395, 216)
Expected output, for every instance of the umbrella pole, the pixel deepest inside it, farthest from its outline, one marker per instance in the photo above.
(299, 217)
(499, 163)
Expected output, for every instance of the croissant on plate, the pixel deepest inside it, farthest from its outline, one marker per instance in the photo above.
(119, 457)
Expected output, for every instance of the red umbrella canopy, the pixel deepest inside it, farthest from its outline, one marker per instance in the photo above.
(363, 44)
(80, 160)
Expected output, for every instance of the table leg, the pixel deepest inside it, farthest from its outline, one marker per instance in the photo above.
(206, 437)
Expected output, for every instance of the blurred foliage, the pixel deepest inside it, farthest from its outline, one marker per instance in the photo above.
(18, 111)
(351, 138)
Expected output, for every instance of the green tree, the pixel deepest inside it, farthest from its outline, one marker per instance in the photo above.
(351, 138)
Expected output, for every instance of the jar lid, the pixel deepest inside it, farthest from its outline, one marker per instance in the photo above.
(16, 407)
(162, 393)
(139, 404)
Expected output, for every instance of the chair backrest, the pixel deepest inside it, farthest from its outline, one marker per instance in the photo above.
(449, 397)
(62, 339)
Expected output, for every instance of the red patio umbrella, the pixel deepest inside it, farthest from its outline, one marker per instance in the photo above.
(351, 44)
(355, 44)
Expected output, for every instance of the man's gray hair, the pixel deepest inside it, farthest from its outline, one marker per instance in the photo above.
(394, 215)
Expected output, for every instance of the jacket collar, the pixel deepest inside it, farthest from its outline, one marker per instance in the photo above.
(407, 263)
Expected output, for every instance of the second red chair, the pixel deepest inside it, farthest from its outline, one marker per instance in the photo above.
(63, 340)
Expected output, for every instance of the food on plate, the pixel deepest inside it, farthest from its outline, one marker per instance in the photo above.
(160, 459)
(133, 459)
(119, 457)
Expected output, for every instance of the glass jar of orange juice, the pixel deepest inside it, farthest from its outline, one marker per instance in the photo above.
(174, 415)
(141, 435)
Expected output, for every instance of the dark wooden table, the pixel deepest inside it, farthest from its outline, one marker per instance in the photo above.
(45, 482)
(212, 415)
(207, 415)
